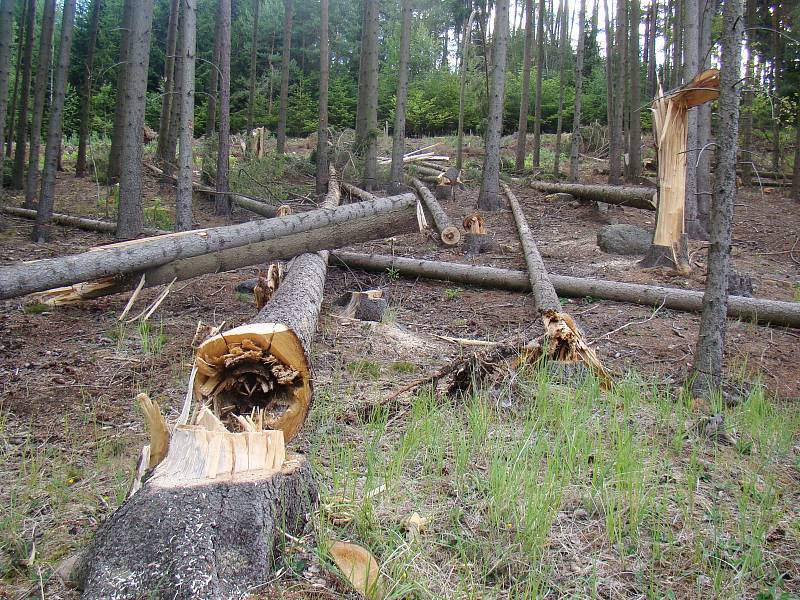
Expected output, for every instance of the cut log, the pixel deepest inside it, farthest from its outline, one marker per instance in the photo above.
(259, 207)
(565, 340)
(320, 228)
(767, 312)
(431, 172)
(635, 197)
(363, 306)
(72, 221)
(356, 192)
(449, 234)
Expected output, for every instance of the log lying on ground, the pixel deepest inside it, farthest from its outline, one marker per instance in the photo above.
(767, 312)
(635, 197)
(356, 192)
(564, 338)
(72, 221)
(212, 519)
(259, 207)
(449, 234)
(319, 226)
(431, 172)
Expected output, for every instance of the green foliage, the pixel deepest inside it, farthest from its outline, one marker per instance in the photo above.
(157, 215)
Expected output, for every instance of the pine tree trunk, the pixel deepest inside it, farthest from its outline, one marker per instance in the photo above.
(796, 173)
(12, 108)
(651, 52)
(54, 127)
(251, 104)
(537, 102)
(213, 83)
(323, 170)
(183, 201)
(691, 38)
(617, 133)
(565, 47)
(399, 133)
(113, 170)
(222, 202)
(170, 99)
(86, 97)
(169, 161)
(288, 10)
(6, 39)
(576, 140)
(634, 66)
(777, 68)
(524, 102)
(369, 139)
(677, 44)
(131, 216)
(490, 198)
(747, 98)
(609, 69)
(464, 68)
(40, 87)
(710, 350)
(18, 172)
(705, 148)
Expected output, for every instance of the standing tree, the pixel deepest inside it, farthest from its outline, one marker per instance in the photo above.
(524, 102)
(86, 98)
(44, 213)
(117, 133)
(399, 133)
(169, 100)
(575, 139)
(40, 87)
(367, 134)
(18, 173)
(6, 38)
(131, 217)
(565, 49)
(777, 76)
(183, 201)
(288, 10)
(464, 67)
(222, 203)
(251, 104)
(710, 349)
(617, 134)
(691, 38)
(748, 95)
(12, 109)
(704, 146)
(324, 70)
(796, 173)
(537, 106)
(634, 68)
(213, 81)
(490, 198)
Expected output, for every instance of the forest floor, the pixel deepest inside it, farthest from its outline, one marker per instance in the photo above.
(573, 492)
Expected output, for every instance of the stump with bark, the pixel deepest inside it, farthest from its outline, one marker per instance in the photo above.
(369, 305)
(476, 239)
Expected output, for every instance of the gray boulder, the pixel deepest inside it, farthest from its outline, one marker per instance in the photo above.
(624, 239)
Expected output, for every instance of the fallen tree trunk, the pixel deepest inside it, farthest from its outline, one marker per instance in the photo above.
(258, 207)
(72, 221)
(768, 312)
(319, 226)
(429, 171)
(214, 515)
(357, 192)
(635, 197)
(448, 233)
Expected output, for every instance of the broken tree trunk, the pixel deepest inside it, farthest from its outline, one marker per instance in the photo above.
(448, 233)
(635, 197)
(670, 122)
(214, 515)
(72, 221)
(774, 312)
(317, 229)
(476, 239)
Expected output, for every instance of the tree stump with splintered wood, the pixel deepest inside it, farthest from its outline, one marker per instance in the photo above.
(363, 306)
(219, 497)
(476, 239)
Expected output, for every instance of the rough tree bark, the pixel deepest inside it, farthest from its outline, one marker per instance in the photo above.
(18, 171)
(703, 172)
(562, 70)
(537, 101)
(131, 217)
(710, 350)
(777, 76)
(137, 255)
(464, 68)
(368, 140)
(634, 169)
(399, 132)
(677, 43)
(86, 94)
(524, 102)
(117, 133)
(651, 49)
(251, 103)
(691, 39)
(489, 198)
(40, 87)
(288, 11)
(183, 201)
(169, 158)
(12, 109)
(222, 203)
(609, 69)
(774, 312)
(6, 40)
(747, 98)
(576, 140)
(796, 173)
(636, 197)
(616, 147)
(41, 230)
(324, 75)
(213, 81)
(169, 99)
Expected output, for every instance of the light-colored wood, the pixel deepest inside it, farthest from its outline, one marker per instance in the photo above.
(157, 426)
(449, 234)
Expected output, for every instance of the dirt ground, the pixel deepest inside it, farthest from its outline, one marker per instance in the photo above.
(70, 374)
